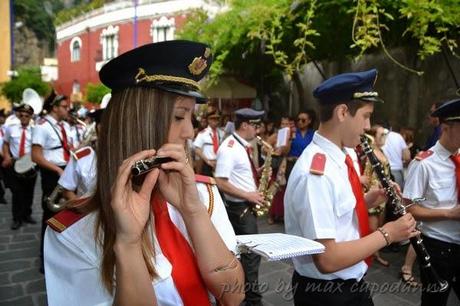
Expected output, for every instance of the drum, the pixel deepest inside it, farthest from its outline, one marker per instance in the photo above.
(24, 167)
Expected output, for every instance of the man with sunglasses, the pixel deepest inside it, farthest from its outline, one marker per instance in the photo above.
(237, 178)
(16, 145)
(51, 148)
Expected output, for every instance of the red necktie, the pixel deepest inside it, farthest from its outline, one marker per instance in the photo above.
(253, 167)
(361, 207)
(175, 247)
(22, 143)
(215, 140)
(456, 159)
(65, 145)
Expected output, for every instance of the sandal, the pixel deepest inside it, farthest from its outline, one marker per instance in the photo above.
(408, 279)
(382, 261)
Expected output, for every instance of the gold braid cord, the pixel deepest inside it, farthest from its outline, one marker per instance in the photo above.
(211, 199)
(141, 76)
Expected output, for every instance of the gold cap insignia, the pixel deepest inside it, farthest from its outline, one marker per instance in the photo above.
(199, 63)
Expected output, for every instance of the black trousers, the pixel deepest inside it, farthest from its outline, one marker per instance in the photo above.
(445, 259)
(337, 292)
(22, 189)
(246, 223)
(49, 182)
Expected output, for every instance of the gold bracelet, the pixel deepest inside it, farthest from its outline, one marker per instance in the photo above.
(227, 267)
(385, 235)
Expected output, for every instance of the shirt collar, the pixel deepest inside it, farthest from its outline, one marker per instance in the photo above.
(338, 155)
(51, 119)
(443, 153)
(243, 141)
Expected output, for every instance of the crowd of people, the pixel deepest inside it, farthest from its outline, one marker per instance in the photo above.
(172, 231)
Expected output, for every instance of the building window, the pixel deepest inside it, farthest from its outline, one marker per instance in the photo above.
(162, 29)
(75, 49)
(75, 87)
(109, 41)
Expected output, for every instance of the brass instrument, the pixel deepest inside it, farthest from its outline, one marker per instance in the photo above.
(368, 170)
(90, 136)
(56, 200)
(268, 190)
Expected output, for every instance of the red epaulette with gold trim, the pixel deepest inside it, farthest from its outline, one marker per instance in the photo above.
(83, 152)
(423, 154)
(230, 143)
(317, 164)
(64, 219)
(205, 179)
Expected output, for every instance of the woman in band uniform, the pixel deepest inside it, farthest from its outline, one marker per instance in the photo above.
(128, 248)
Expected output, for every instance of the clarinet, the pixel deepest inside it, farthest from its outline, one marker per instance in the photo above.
(437, 284)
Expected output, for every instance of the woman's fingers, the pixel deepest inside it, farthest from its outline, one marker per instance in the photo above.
(149, 182)
(124, 171)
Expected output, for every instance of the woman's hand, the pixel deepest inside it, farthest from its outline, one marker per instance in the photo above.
(132, 207)
(177, 180)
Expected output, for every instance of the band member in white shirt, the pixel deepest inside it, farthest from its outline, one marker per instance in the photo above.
(325, 202)
(51, 149)
(17, 145)
(159, 238)
(434, 175)
(237, 177)
(207, 143)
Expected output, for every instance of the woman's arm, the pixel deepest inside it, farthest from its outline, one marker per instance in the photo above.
(220, 269)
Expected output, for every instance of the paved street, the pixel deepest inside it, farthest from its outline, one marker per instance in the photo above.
(22, 284)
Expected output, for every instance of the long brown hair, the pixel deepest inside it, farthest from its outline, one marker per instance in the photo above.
(136, 119)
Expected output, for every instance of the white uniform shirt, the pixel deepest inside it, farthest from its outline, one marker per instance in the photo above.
(2, 134)
(322, 206)
(203, 141)
(433, 178)
(73, 259)
(393, 149)
(13, 134)
(233, 163)
(76, 134)
(45, 136)
(80, 174)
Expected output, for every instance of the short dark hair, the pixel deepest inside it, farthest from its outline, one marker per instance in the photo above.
(326, 110)
(238, 123)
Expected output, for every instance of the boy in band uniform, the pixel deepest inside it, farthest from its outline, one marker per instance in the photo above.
(324, 200)
(435, 176)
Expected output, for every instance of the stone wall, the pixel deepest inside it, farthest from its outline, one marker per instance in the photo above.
(408, 97)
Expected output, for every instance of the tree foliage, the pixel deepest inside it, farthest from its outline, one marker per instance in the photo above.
(80, 8)
(27, 78)
(95, 92)
(292, 33)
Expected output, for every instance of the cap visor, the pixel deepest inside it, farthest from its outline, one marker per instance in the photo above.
(183, 91)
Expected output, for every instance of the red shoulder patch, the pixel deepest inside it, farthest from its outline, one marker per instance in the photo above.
(205, 179)
(230, 143)
(64, 219)
(83, 152)
(318, 163)
(423, 154)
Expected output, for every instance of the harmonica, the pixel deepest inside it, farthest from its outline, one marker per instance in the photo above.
(145, 165)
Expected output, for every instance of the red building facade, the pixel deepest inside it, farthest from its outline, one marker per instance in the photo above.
(85, 44)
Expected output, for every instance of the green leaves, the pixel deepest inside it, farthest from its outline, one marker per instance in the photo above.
(95, 92)
(28, 77)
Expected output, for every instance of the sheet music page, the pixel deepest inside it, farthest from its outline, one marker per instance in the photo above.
(277, 246)
(283, 137)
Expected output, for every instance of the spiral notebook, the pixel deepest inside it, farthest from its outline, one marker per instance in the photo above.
(278, 246)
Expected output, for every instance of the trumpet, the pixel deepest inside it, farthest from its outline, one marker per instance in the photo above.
(145, 165)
